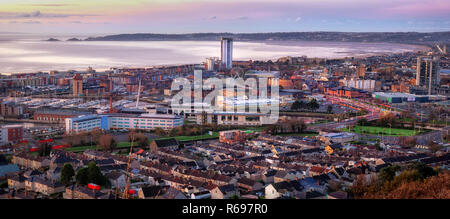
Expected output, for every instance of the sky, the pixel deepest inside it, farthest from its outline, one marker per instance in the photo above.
(238, 16)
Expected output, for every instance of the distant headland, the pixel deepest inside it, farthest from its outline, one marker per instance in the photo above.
(387, 37)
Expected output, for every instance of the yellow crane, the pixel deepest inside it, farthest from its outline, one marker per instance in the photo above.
(126, 194)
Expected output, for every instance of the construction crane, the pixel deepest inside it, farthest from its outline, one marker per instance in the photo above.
(442, 50)
(112, 97)
(126, 194)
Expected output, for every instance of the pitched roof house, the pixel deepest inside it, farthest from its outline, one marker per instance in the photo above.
(224, 192)
(160, 192)
(170, 143)
(249, 184)
(284, 189)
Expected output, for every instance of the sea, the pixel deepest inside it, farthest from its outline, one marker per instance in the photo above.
(27, 53)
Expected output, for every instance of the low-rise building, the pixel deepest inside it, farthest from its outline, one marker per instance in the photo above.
(232, 136)
(224, 192)
(17, 182)
(284, 189)
(43, 186)
(249, 184)
(56, 115)
(122, 121)
(30, 162)
(11, 134)
(333, 138)
(170, 143)
(79, 192)
(117, 179)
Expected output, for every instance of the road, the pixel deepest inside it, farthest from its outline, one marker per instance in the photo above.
(374, 114)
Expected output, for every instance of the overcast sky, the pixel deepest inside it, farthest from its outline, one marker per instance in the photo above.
(186, 16)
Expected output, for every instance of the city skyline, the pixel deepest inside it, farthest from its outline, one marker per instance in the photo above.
(206, 100)
(179, 16)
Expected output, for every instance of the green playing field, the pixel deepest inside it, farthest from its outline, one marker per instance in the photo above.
(383, 131)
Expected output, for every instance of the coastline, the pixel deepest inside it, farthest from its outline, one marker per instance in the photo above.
(286, 43)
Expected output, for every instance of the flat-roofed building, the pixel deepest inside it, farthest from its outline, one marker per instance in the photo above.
(56, 115)
(11, 134)
(233, 118)
(84, 123)
(145, 121)
(123, 121)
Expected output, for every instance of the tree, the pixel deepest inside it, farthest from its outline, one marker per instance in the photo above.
(432, 117)
(272, 129)
(424, 171)
(159, 131)
(44, 149)
(334, 186)
(80, 139)
(362, 122)
(447, 137)
(67, 174)
(302, 126)
(405, 114)
(94, 135)
(107, 142)
(408, 141)
(406, 186)
(329, 109)
(295, 105)
(387, 120)
(362, 112)
(387, 174)
(141, 139)
(434, 147)
(95, 175)
(313, 105)
(82, 176)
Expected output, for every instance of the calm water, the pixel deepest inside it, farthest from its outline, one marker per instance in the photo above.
(27, 53)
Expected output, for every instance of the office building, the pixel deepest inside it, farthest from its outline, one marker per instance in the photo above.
(87, 123)
(145, 121)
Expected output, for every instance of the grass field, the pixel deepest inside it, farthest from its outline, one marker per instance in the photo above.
(383, 131)
(215, 135)
(93, 147)
(195, 137)
(126, 144)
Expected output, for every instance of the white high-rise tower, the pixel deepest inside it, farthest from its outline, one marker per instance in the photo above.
(227, 52)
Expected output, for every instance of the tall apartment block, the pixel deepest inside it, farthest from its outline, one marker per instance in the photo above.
(427, 72)
(227, 52)
(77, 85)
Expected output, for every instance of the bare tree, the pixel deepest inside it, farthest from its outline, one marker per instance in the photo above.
(107, 142)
